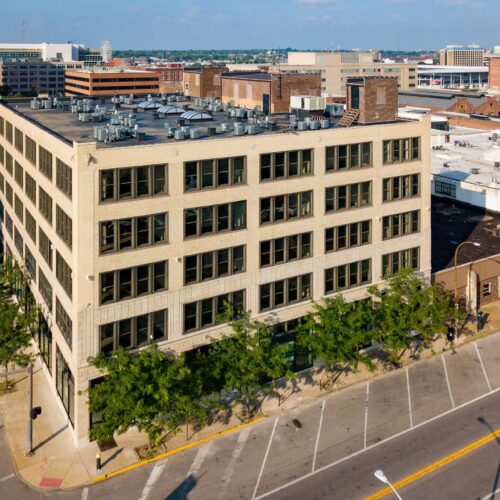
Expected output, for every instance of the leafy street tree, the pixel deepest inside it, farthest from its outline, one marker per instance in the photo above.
(336, 331)
(247, 358)
(151, 390)
(406, 304)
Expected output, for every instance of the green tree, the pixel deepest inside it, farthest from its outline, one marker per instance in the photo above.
(406, 304)
(150, 390)
(336, 331)
(248, 358)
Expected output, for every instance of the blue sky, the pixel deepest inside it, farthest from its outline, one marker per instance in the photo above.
(204, 24)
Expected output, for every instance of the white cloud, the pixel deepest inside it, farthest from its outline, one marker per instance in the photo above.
(313, 2)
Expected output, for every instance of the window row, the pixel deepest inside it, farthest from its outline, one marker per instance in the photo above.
(348, 156)
(63, 321)
(64, 226)
(286, 164)
(45, 204)
(286, 207)
(134, 232)
(347, 236)
(348, 196)
(134, 332)
(215, 264)
(285, 292)
(215, 219)
(286, 249)
(131, 282)
(135, 182)
(45, 289)
(446, 188)
(347, 276)
(45, 162)
(205, 174)
(394, 262)
(209, 312)
(400, 224)
(399, 188)
(63, 275)
(401, 150)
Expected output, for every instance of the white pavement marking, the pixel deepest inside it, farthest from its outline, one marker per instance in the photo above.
(366, 411)
(409, 396)
(6, 477)
(317, 437)
(240, 444)
(374, 445)
(491, 495)
(199, 458)
(482, 366)
(152, 480)
(85, 493)
(265, 458)
(448, 381)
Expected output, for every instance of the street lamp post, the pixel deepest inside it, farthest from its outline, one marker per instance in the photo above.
(379, 474)
(476, 244)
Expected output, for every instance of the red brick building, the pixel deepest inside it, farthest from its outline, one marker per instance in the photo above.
(494, 72)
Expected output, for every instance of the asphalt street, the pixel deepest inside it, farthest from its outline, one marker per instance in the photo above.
(400, 422)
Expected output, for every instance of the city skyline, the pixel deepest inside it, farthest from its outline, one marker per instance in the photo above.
(217, 24)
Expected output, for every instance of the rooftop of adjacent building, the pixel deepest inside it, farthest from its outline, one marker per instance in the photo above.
(471, 156)
(438, 98)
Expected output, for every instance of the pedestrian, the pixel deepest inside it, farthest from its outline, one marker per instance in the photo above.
(98, 461)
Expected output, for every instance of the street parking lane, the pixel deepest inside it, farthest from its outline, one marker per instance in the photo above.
(489, 349)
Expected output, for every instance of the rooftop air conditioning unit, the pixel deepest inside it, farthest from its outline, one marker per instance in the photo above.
(179, 135)
(302, 126)
(314, 125)
(195, 133)
(226, 127)
(325, 123)
(252, 129)
(239, 129)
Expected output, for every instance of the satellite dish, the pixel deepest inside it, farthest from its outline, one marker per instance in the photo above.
(106, 51)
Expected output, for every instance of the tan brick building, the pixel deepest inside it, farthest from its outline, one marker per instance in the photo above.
(136, 242)
(458, 55)
(202, 82)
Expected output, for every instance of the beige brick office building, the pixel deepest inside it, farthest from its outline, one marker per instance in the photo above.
(135, 242)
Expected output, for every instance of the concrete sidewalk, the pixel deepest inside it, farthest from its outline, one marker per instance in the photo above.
(59, 464)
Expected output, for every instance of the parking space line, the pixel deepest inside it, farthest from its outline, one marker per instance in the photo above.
(85, 493)
(152, 480)
(265, 459)
(240, 444)
(491, 496)
(409, 396)
(448, 381)
(482, 366)
(199, 458)
(317, 437)
(366, 411)
(6, 477)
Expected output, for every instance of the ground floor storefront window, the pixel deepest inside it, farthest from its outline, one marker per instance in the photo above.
(286, 333)
(45, 342)
(65, 384)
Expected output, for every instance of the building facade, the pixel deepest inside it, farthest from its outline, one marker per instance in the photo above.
(458, 55)
(109, 83)
(129, 244)
(494, 73)
(202, 82)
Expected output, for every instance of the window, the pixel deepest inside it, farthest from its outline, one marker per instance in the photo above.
(214, 219)
(19, 174)
(132, 183)
(64, 178)
(285, 292)
(399, 188)
(19, 140)
(30, 225)
(9, 194)
(347, 276)
(18, 242)
(394, 262)
(486, 289)
(286, 207)
(446, 188)
(348, 156)
(65, 384)
(30, 151)
(285, 165)
(400, 224)
(45, 289)
(136, 232)
(401, 150)
(63, 321)
(30, 263)
(285, 334)
(45, 247)
(128, 283)
(214, 264)
(347, 236)
(44, 338)
(63, 274)
(18, 208)
(134, 332)
(45, 204)
(9, 163)
(349, 196)
(64, 226)
(216, 173)
(286, 249)
(30, 188)
(207, 312)
(9, 225)
(45, 162)
(2, 183)
(8, 131)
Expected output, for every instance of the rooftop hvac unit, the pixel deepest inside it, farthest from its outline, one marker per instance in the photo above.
(250, 113)
(325, 123)
(195, 133)
(239, 129)
(186, 130)
(314, 125)
(35, 104)
(47, 104)
(252, 129)
(226, 127)
(102, 133)
(240, 112)
(85, 117)
(179, 135)
(273, 125)
(212, 131)
(301, 125)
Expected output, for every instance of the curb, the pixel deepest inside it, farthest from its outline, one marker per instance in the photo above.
(219, 434)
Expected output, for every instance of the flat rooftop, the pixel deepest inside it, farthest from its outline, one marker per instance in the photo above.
(154, 126)
(470, 156)
(453, 223)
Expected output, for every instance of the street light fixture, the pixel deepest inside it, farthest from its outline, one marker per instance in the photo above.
(379, 474)
(476, 244)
